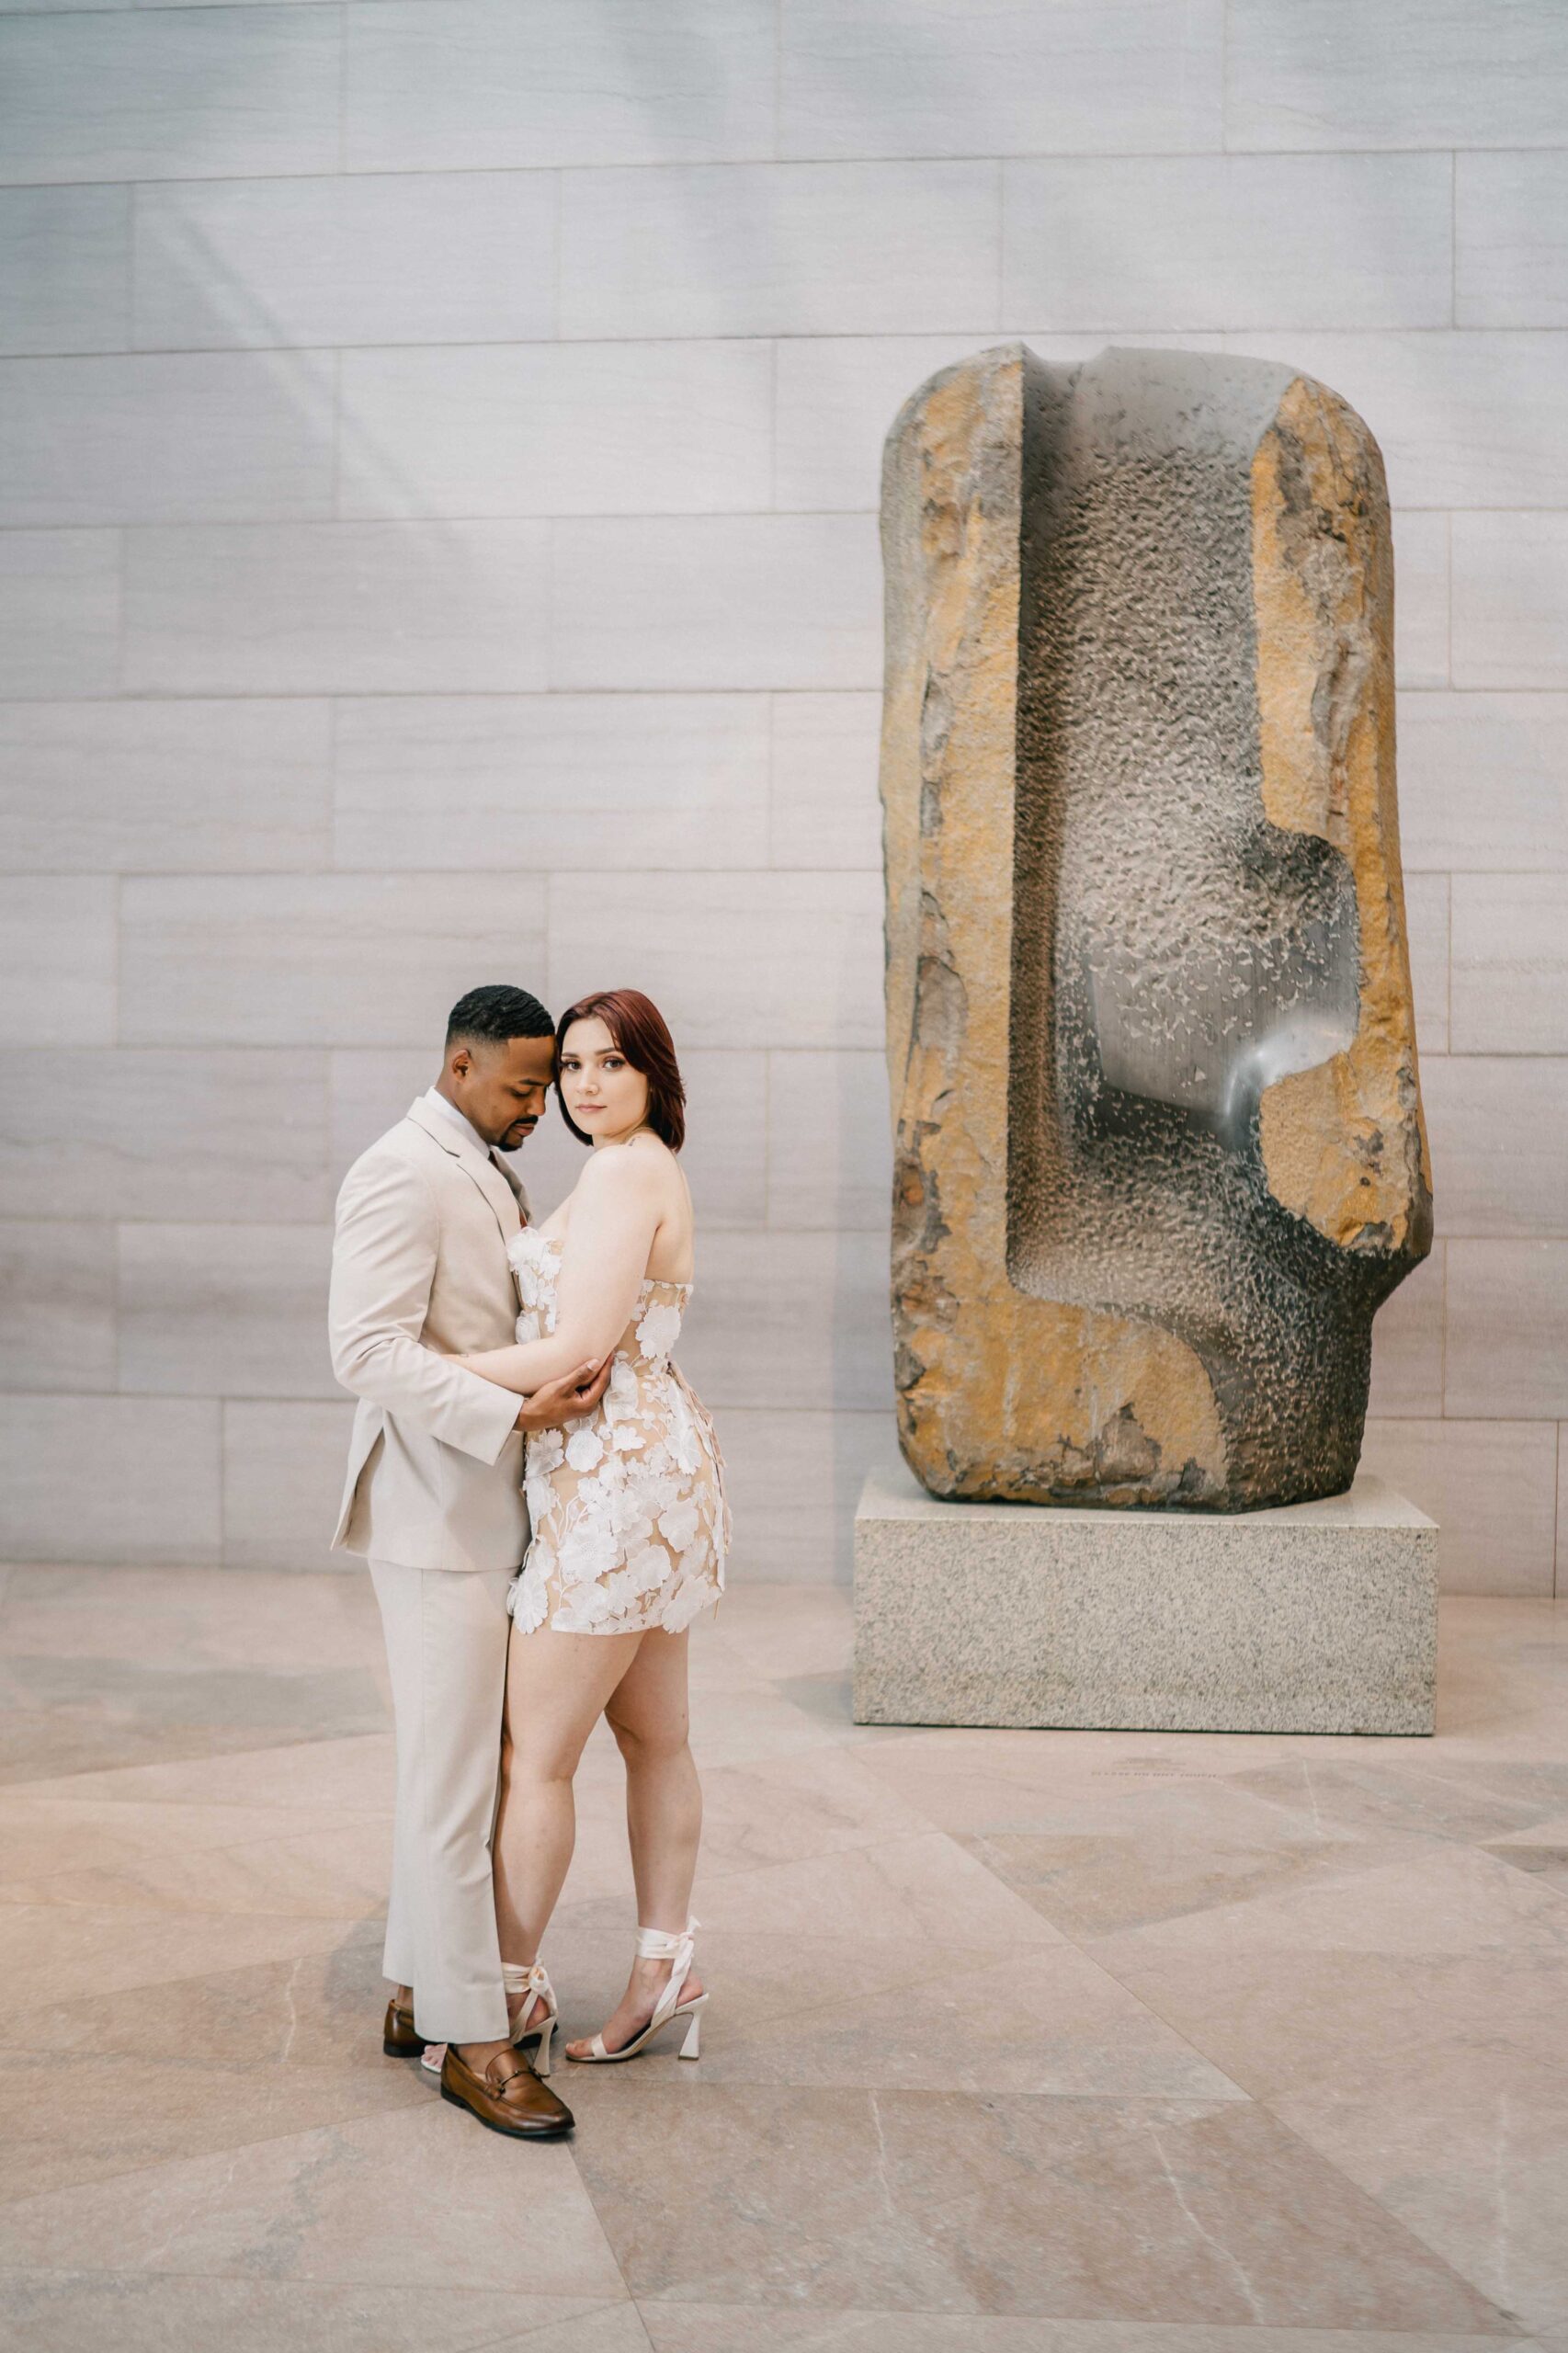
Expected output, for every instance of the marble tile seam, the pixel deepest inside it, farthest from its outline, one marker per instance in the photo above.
(1125, 329)
(510, 2341)
(34, 1890)
(413, 523)
(417, 2095)
(49, 1784)
(803, 160)
(137, 696)
(1080, 1946)
(1431, 2241)
(589, 2307)
(868, 1838)
(1119, 331)
(854, 2329)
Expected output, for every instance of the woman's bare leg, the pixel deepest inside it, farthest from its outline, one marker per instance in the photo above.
(650, 1717)
(556, 1690)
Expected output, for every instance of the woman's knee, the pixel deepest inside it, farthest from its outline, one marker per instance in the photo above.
(542, 1760)
(646, 1742)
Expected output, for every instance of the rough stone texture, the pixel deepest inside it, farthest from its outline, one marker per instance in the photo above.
(1319, 1617)
(1160, 1152)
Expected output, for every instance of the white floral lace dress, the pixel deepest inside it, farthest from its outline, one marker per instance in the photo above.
(630, 1523)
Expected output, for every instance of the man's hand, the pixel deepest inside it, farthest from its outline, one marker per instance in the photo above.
(566, 1400)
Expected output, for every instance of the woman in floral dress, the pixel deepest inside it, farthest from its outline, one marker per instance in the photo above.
(630, 1529)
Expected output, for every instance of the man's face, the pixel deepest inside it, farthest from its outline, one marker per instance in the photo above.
(501, 1090)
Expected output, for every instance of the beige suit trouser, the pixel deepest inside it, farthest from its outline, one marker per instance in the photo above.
(446, 1634)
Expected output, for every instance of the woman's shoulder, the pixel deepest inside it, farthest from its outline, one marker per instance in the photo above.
(617, 1182)
(644, 1165)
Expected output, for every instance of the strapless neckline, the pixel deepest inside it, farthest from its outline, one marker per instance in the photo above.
(557, 1243)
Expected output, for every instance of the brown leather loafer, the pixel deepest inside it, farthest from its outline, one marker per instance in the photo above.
(400, 2037)
(509, 2097)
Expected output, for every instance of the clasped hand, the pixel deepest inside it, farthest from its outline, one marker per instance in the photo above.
(566, 1400)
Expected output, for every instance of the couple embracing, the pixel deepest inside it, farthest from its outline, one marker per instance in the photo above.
(540, 1498)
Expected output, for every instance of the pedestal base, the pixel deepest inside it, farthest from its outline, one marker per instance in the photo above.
(1316, 1618)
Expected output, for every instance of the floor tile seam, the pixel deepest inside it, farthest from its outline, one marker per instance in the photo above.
(1348, 1836)
(48, 1782)
(230, 1847)
(87, 2271)
(1500, 1948)
(148, 1899)
(966, 1960)
(155, 1908)
(1036, 2095)
(1422, 2340)
(351, 1814)
(1152, 1956)
(954, 1840)
(586, 2191)
(861, 1844)
(1078, 1946)
(13, 2206)
(1247, 2092)
(368, 1813)
(1420, 2337)
(867, 1836)
(146, 1677)
(1536, 2323)
(175, 1977)
(1435, 1950)
(1542, 1884)
(1197, 1911)
(1191, 2105)
(1294, 1814)
(783, 2021)
(1411, 1770)
(1398, 2222)
(1136, 2333)
(1401, 2221)
(152, 1899)
(347, 1921)
(84, 2057)
(591, 2309)
(809, 2007)
(879, 1844)
(592, 2306)
(845, 1757)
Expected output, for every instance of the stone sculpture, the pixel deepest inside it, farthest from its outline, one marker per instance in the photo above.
(1160, 1149)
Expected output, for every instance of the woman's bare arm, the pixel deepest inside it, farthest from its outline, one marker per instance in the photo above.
(614, 1216)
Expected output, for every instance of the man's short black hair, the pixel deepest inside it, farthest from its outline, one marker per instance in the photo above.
(490, 1016)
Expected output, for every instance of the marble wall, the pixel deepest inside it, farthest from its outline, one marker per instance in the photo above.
(439, 452)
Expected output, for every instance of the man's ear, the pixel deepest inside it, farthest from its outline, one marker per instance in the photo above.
(459, 1062)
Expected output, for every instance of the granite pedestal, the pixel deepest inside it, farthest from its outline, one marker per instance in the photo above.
(1318, 1617)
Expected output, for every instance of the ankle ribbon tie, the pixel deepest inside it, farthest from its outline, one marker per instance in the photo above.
(529, 1978)
(679, 1950)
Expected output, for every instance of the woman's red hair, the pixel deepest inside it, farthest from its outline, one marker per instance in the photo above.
(643, 1035)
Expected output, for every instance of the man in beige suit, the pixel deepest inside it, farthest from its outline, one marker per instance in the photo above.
(434, 1497)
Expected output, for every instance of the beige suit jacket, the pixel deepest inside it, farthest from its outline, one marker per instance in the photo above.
(420, 1274)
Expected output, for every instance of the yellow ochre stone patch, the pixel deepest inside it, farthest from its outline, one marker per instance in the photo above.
(1344, 1144)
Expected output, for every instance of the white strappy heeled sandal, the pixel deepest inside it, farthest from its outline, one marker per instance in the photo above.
(656, 1944)
(535, 2019)
(539, 2013)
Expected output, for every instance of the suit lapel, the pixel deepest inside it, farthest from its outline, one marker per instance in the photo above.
(475, 1165)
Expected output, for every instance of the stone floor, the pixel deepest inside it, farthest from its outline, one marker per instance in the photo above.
(1019, 2042)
